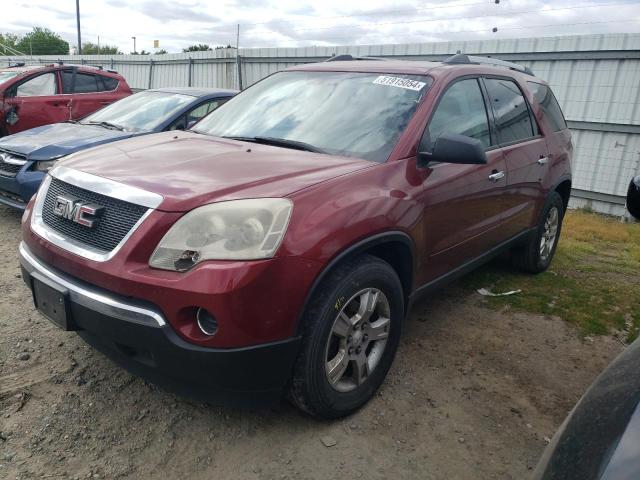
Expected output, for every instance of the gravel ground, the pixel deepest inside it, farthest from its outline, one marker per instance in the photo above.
(474, 393)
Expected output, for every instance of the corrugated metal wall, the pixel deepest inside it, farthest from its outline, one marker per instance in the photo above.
(595, 77)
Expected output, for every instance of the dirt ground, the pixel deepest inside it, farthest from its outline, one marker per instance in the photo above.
(475, 393)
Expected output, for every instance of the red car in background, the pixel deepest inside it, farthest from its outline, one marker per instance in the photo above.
(32, 96)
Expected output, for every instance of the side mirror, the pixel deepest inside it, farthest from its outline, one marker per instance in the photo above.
(454, 148)
(633, 198)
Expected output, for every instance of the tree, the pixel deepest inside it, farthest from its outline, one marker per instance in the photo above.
(90, 48)
(42, 41)
(8, 43)
(201, 47)
(222, 47)
(142, 52)
(161, 51)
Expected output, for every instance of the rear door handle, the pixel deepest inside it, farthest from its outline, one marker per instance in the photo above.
(543, 160)
(494, 177)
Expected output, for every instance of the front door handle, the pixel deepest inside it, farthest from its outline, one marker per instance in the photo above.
(543, 160)
(495, 176)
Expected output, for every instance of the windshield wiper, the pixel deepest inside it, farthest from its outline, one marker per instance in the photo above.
(107, 125)
(281, 142)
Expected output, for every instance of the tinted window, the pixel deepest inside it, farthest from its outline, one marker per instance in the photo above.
(110, 83)
(85, 83)
(343, 113)
(67, 82)
(544, 96)
(510, 108)
(38, 86)
(461, 110)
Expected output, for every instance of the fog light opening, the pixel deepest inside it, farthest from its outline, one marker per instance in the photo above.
(206, 322)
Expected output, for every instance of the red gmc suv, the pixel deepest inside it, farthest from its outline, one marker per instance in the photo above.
(277, 246)
(35, 96)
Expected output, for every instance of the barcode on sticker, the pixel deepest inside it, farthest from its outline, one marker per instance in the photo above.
(399, 82)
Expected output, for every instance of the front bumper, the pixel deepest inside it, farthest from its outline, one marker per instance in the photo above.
(136, 336)
(16, 192)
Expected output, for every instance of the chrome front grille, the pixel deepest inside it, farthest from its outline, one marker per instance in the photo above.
(88, 215)
(10, 164)
(117, 220)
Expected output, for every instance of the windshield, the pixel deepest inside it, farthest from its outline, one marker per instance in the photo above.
(353, 114)
(144, 111)
(4, 76)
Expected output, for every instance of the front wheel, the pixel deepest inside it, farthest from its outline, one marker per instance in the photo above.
(536, 255)
(350, 338)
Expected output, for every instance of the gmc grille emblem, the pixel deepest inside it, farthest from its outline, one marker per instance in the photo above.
(74, 209)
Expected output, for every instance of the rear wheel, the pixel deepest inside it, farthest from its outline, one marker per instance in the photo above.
(351, 335)
(536, 255)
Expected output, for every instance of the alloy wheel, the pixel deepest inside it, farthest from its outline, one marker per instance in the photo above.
(357, 339)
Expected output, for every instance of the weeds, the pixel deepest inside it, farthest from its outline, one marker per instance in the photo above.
(593, 281)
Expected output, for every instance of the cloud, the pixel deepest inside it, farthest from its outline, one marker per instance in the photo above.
(293, 23)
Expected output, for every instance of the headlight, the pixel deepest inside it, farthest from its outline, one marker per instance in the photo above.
(40, 166)
(249, 229)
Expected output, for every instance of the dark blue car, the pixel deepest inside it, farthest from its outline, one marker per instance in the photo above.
(26, 156)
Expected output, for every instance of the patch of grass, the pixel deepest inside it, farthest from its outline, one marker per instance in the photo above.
(593, 281)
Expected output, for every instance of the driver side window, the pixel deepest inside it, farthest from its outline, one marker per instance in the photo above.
(42, 85)
(461, 110)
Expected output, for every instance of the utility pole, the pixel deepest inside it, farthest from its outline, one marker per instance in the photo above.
(78, 22)
(134, 44)
(98, 44)
(238, 60)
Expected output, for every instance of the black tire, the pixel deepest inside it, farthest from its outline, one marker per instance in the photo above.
(310, 388)
(528, 256)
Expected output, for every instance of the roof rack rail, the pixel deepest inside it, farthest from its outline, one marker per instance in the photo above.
(462, 59)
(85, 65)
(349, 58)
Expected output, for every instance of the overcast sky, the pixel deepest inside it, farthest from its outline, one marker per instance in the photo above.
(293, 23)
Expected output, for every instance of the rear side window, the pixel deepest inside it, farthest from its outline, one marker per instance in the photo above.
(85, 83)
(109, 83)
(461, 110)
(512, 117)
(547, 101)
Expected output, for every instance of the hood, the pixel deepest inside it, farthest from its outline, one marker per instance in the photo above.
(190, 170)
(59, 139)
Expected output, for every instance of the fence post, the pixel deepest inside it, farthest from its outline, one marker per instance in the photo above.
(239, 62)
(150, 72)
(190, 67)
(112, 65)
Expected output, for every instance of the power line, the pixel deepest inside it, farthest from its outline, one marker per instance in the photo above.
(488, 30)
(430, 20)
(378, 12)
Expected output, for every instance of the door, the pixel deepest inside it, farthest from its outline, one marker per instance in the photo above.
(463, 203)
(525, 153)
(35, 102)
(87, 95)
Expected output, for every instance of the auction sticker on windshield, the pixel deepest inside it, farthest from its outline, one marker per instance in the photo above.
(399, 82)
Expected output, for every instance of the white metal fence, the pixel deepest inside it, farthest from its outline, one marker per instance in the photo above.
(595, 77)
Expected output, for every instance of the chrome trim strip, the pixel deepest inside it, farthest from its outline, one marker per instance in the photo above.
(69, 244)
(11, 159)
(106, 187)
(93, 300)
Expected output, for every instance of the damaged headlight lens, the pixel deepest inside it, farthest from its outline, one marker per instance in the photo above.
(44, 166)
(248, 229)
